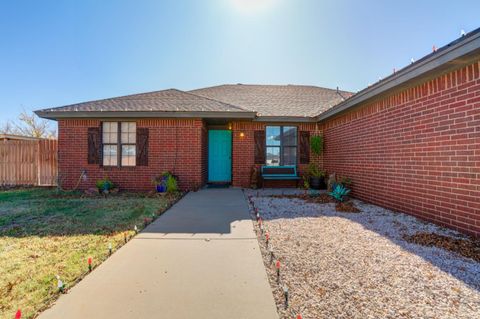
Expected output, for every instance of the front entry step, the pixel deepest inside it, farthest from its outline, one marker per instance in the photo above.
(218, 185)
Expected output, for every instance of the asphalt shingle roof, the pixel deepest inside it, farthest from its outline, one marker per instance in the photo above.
(265, 100)
(276, 100)
(167, 100)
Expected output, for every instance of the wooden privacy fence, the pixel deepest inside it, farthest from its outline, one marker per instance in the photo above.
(28, 162)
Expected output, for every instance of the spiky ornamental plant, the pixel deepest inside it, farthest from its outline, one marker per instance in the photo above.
(339, 192)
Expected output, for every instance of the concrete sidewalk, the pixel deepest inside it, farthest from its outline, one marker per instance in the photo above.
(200, 259)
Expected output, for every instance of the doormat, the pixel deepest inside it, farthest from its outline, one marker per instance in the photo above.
(218, 185)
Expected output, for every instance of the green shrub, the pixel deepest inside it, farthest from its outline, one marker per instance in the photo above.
(171, 184)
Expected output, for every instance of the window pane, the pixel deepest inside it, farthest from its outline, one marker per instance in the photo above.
(273, 155)
(128, 150)
(110, 130)
(289, 156)
(128, 155)
(289, 136)
(128, 160)
(273, 135)
(128, 132)
(109, 155)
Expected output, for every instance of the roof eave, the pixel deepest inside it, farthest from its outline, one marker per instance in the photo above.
(57, 115)
(286, 119)
(459, 54)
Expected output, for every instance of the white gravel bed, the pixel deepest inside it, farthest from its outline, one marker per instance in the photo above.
(356, 265)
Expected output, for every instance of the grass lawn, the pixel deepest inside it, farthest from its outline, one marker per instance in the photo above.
(44, 233)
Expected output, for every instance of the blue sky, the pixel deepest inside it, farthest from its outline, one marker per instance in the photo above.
(54, 53)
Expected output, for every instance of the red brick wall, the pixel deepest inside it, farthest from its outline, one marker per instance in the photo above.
(417, 151)
(174, 145)
(243, 149)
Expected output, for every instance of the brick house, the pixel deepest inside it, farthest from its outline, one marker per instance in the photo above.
(410, 142)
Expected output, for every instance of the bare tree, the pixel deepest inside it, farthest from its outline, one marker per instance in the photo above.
(28, 124)
(7, 128)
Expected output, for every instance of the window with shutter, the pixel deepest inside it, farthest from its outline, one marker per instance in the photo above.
(304, 147)
(142, 147)
(281, 145)
(119, 143)
(93, 134)
(259, 140)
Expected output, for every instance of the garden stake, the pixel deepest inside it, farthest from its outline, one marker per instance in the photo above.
(135, 229)
(110, 249)
(277, 265)
(271, 254)
(285, 293)
(89, 263)
(18, 315)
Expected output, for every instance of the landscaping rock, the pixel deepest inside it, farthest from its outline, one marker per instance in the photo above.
(343, 265)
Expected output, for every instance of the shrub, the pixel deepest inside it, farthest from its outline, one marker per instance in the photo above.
(171, 184)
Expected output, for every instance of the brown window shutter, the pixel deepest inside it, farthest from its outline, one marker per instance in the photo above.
(142, 146)
(94, 148)
(304, 147)
(259, 138)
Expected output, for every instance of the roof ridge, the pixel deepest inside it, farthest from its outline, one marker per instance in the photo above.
(210, 99)
(269, 85)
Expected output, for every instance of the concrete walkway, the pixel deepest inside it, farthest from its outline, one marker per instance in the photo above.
(200, 259)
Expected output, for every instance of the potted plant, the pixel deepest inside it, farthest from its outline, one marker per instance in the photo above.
(104, 185)
(316, 177)
(160, 182)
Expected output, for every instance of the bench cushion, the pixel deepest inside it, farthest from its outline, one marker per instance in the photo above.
(280, 177)
(286, 172)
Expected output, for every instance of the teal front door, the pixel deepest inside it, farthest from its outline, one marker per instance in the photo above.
(219, 156)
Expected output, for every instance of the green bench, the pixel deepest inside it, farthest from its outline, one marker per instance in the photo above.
(280, 173)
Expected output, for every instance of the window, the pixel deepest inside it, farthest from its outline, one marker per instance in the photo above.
(281, 145)
(119, 140)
